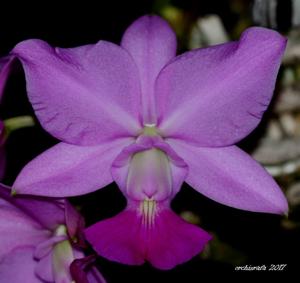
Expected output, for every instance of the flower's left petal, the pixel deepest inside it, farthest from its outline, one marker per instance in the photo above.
(216, 96)
(230, 176)
(84, 95)
(19, 266)
(152, 44)
(69, 170)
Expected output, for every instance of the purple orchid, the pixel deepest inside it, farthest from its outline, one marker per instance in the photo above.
(137, 115)
(36, 240)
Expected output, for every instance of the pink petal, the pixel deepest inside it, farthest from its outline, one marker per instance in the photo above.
(82, 271)
(216, 96)
(74, 221)
(151, 43)
(84, 95)
(44, 268)
(94, 276)
(118, 238)
(68, 170)
(18, 266)
(17, 228)
(230, 176)
(2, 161)
(47, 212)
(149, 175)
(174, 241)
(123, 238)
(5, 69)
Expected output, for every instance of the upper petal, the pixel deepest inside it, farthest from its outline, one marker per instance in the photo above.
(230, 176)
(216, 96)
(69, 170)
(82, 95)
(151, 43)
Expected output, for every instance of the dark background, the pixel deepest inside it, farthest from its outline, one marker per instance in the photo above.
(241, 237)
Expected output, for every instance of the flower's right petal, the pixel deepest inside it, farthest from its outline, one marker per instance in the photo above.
(19, 266)
(230, 176)
(216, 96)
(69, 170)
(84, 95)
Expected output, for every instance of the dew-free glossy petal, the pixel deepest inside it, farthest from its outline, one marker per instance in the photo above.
(216, 96)
(17, 228)
(230, 176)
(152, 44)
(84, 95)
(125, 239)
(68, 170)
(19, 266)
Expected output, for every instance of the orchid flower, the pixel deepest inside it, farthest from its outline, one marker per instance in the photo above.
(137, 115)
(36, 237)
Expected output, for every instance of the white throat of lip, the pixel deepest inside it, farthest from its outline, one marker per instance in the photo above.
(148, 210)
(153, 125)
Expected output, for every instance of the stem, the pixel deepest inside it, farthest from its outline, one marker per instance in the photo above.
(17, 123)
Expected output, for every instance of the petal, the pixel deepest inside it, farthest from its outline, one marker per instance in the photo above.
(17, 228)
(152, 43)
(5, 69)
(44, 268)
(118, 238)
(44, 248)
(18, 266)
(149, 168)
(174, 241)
(230, 176)
(83, 271)
(83, 95)
(216, 96)
(2, 161)
(94, 276)
(74, 222)
(69, 170)
(47, 212)
(125, 239)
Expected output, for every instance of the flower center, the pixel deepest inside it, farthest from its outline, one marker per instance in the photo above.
(148, 209)
(62, 256)
(149, 176)
(150, 130)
